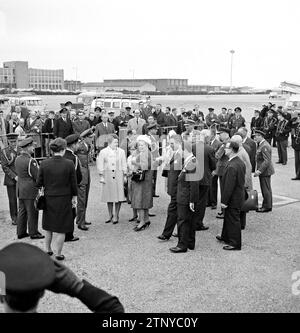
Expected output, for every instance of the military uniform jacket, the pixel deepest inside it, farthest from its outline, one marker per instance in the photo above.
(8, 157)
(233, 183)
(83, 156)
(223, 119)
(80, 125)
(269, 126)
(283, 130)
(236, 122)
(222, 160)
(69, 155)
(211, 119)
(188, 183)
(296, 136)
(264, 159)
(27, 171)
(256, 123)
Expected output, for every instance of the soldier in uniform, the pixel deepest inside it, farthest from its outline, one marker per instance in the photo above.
(72, 145)
(264, 170)
(223, 118)
(296, 143)
(211, 119)
(269, 126)
(27, 190)
(8, 156)
(182, 122)
(82, 153)
(190, 134)
(236, 121)
(282, 134)
(29, 272)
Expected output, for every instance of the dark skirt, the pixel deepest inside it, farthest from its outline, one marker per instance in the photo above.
(57, 215)
(142, 192)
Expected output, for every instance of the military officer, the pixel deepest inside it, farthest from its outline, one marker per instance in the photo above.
(72, 146)
(82, 153)
(236, 121)
(190, 133)
(8, 156)
(211, 119)
(282, 134)
(264, 170)
(27, 170)
(269, 126)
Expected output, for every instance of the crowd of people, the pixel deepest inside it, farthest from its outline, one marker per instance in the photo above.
(199, 156)
(196, 154)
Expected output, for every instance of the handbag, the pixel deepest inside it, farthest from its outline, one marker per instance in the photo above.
(40, 201)
(251, 202)
(138, 176)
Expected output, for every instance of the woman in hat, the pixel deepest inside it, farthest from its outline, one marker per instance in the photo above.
(57, 178)
(142, 193)
(112, 168)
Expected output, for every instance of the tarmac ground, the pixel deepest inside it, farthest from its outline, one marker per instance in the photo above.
(147, 277)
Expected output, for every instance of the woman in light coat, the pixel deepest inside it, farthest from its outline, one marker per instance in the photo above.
(112, 168)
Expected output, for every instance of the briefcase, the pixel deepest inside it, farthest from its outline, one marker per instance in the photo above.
(251, 202)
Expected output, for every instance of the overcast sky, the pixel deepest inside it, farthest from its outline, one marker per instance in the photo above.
(188, 39)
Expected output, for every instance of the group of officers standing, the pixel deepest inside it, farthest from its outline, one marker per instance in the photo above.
(193, 153)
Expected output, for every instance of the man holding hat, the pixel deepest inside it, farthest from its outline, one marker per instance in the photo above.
(211, 119)
(264, 170)
(28, 272)
(8, 157)
(27, 170)
(72, 146)
(63, 126)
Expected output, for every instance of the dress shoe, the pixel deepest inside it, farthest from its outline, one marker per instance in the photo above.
(295, 178)
(156, 196)
(191, 247)
(263, 210)
(231, 248)
(278, 162)
(74, 239)
(175, 234)
(110, 220)
(177, 250)
(220, 239)
(83, 227)
(151, 215)
(202, 228)
(23, 235)
(116, 222)
(37, 236)
(87, 223)
(133, 219)
(60, 257)
(14, 223)
(50, 253)
(163, 237)
(213, 207)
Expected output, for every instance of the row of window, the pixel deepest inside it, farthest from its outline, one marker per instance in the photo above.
(45, 72)
(45, 86)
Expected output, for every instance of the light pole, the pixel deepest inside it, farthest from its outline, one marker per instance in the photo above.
(232, 52)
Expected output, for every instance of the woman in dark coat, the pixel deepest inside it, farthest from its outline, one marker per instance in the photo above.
(142, 195)
(57, 177)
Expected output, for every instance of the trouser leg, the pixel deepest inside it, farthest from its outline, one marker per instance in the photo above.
(283, 145)
(184, 218)
(70, 235)
(213, 194)
(22, 218)
(233, 227)
(33, 217)
(297, 163)
(171, 218)
(243, 220)
(266, 190)
(81, 200)
(200, 207)
(279, 150)
(154, 177)
(13, 202)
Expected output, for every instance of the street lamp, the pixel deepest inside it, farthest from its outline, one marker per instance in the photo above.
(232, 52)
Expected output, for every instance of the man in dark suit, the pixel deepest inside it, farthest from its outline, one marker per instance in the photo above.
(205, 156)
(187, 196)
(8, 157)
(282, 133)
(249, 145)
(159, 116)
(80, 124)
(63, 126)
(172, 169)
(264, 170)
(102, 130)
(72, 146)
(232, 198)
(27, 190)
